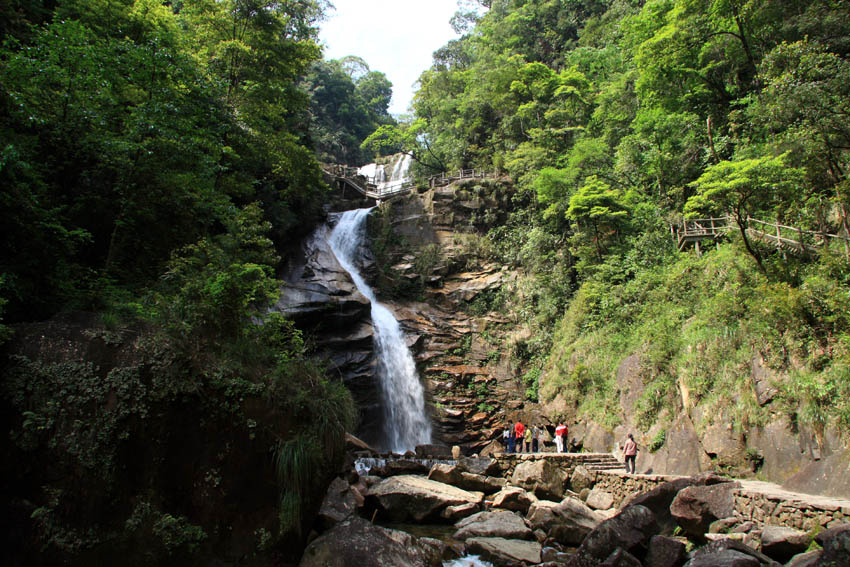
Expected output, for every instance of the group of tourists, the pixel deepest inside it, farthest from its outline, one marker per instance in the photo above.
(521, 439)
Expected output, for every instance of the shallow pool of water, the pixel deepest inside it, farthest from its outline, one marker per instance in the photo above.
(468, 561)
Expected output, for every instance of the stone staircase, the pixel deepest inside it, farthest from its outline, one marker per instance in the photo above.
(602, 462)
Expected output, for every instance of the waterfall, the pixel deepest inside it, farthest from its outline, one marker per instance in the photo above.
(377, 174)
(406, 424)
(401, 167)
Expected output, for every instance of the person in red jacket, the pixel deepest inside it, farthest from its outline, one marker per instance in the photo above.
(519, 429)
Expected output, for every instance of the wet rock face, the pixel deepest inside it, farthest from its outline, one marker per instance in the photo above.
(319, 295)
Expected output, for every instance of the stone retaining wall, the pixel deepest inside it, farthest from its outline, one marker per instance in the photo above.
(623, 486)
(757, 502)
(776, 510)
(567, 462)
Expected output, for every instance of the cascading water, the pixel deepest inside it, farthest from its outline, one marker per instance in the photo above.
(400, 169)
(377, 174)
(406, 424)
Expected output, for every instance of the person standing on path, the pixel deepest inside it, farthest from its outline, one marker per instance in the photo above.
(528, 439)
(630, 451)
(511, 439)
(535, 439)
(519, 429)
(559, 437)
(506, 435)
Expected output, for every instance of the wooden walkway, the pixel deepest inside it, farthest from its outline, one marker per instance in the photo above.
(346, 176)
(446, 178)
(787, 239)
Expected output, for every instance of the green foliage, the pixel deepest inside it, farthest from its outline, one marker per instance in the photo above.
(531, 380)
(658, 440)
(348, 103)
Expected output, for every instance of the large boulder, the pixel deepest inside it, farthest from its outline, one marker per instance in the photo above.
(567, 522)
(664, 552)
(359, 542)
(513, 498)
(659, 499)
(621, 558)
(582, 478)
(808, 559)
(417, 498)
(481, 483)
(836, 547)
(339, 504)
(479, 465)
(630, 530)
(599, 499)
(724, 558)
(501, 551)
(459, 512)
(541, 477)
(696, 507)
(782, 543)
(728, 553)
(447, 474)
(498, 523)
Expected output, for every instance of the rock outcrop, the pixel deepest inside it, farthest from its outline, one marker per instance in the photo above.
(498, 523)
(359, 542)
(416, 498)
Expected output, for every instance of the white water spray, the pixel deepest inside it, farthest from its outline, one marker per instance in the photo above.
(406, 424)
(377, 174)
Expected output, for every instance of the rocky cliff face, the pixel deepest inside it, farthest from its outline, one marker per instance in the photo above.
(430, 272)
(427, 274)
(702, 438)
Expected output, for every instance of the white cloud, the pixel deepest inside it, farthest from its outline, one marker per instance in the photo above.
(396, 37)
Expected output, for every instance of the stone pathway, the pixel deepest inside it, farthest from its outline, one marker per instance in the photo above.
(776, 492)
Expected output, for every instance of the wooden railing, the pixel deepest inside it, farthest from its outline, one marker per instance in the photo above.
(794, 239)
(445, 178)
(786, 238)
(351, 177)
(696, 230)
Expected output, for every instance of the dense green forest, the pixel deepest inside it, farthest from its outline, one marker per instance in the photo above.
(617, 119)
(157, 158)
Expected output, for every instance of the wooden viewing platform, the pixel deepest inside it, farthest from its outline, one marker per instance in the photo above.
(787, 239)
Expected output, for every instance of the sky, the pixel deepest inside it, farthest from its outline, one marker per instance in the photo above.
(396, 37)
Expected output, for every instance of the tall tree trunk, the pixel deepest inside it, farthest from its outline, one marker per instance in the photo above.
(742, 226)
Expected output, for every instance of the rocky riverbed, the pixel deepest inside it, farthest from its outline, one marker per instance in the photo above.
(532, 513)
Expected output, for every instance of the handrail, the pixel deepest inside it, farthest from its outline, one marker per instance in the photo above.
(694, 230)
(446, 178)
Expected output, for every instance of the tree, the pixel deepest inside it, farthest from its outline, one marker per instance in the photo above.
(744, 187)
(599, 212)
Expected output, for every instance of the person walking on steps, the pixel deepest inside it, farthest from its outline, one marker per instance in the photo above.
(630, 451)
